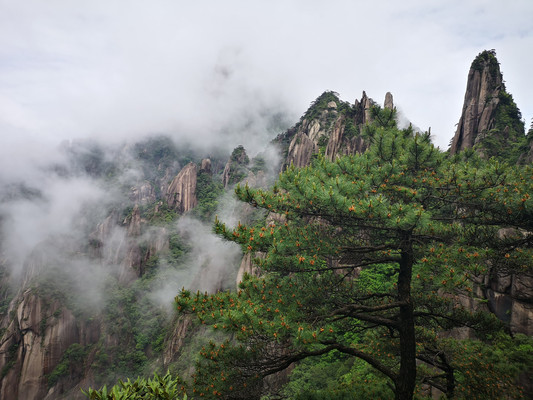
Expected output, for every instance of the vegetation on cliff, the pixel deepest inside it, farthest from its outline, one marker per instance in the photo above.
(378, 255)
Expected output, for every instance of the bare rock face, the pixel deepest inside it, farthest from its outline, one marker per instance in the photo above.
(247, 266)
(181, 193)
(389, 103)
(481, 101)
(34, 342)
(175, 341)
(134, 222)
(362, 110)
(143, 193)
(335, 140)
(300, 150)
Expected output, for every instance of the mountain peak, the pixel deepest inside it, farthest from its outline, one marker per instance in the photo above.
(490, 119)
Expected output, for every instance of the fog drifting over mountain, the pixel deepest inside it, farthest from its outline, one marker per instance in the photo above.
(210, 71)
(218, 74)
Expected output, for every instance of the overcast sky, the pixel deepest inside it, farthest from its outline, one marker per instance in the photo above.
(195, 69)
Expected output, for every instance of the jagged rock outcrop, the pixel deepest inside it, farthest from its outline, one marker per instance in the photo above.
(236, 167)
(330, 125)
(206, 166)
(509, 298)
(362, 110)
(490, 120)
(181, 193)
(490, 123)
(134, 222)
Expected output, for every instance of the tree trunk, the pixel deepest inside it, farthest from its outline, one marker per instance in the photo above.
(405, 383)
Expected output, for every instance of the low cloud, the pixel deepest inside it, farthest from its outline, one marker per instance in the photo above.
(212, 263)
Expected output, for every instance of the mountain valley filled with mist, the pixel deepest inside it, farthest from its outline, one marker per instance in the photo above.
(124, 259)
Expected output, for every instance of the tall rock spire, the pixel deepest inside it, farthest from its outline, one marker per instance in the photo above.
(481, 100)
(490, 120)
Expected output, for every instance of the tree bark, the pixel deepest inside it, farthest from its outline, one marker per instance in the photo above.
(405, 383)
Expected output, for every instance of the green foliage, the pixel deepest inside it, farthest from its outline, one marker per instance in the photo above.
(368, 260)
(158, 153)
(176, 250)
(164, 387)
(259, 164)
(239, 155)
(10, 359)
(208, 192)
(71, 363)
(489, 372)
(350, 130)
(320, 104)
(239, 161)
(132, 315)
(6, 291)
(323, 141)
(507, 140)
(484, 59)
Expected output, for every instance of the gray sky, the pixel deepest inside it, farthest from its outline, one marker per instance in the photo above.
(117, 69)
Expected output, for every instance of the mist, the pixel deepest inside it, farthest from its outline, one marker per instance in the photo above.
(211, 76)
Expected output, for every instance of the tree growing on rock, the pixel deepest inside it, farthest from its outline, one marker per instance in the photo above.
(373, 257)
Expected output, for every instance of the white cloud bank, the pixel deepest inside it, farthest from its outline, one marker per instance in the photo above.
(117, 69)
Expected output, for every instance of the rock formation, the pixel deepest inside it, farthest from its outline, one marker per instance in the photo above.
(329, 125)
(34, 342)
(489, 114)
(181, 193)
(490, 121)
(236, 167)
(206, 166)
(481, 100)
(302, 148)
(143, 193)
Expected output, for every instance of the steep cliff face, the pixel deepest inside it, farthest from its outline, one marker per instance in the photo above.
(34, 342)
(143, 193)
(181, 193)
(490, 120)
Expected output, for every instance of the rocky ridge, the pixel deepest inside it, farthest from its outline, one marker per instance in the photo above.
(331, 126)
(490, 121)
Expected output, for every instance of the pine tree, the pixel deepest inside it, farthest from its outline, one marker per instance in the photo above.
(423, 225)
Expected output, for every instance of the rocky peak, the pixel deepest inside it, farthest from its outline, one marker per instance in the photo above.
(490, 120)
(389, 103)
(235, 168)
(330, 125)
(362, 110)
(206, 166)
(181, 193)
